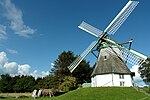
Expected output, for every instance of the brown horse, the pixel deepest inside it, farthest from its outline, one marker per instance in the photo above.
(45, 92)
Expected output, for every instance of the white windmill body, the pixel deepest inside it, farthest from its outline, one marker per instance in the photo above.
(111, 68)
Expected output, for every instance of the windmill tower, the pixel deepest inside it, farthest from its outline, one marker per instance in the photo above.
(111, 69)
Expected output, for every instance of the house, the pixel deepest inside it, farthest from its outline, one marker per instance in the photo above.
(111, 70)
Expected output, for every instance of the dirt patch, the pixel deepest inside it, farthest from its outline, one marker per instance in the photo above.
(15, 95)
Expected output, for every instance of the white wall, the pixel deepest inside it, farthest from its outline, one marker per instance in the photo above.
(111, 80)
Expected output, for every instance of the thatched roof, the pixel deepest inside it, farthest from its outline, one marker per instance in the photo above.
(110, 62)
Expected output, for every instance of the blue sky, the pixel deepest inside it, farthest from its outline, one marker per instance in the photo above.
(35, 32)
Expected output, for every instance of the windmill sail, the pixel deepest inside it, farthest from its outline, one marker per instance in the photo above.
(133, 57)
(115, 24)
(77, 61)
(121, 17)
(111, 29)
(90, 29)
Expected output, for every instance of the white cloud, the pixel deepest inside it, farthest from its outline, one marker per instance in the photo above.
(13, 68)
(44, 73)
(12, 51)
(137, 79)
(3, 32)
(15, 16)
(52, 65)
(23, 69)
(3, 59)
(37, 74)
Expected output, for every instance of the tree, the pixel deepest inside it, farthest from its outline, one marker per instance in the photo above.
(14, 81)
(24, 84)
(145, 72)
(68, 84)
(5, 85)
(38, 83)
(46, 82)
(60, 65)
(82, 73)
(60, 69)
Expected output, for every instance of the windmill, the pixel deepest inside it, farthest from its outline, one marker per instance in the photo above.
(106, 46)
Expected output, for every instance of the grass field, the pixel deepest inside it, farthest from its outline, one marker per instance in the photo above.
(146, 89)
(101, 93)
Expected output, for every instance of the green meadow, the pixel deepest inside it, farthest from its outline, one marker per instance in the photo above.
(98, 93)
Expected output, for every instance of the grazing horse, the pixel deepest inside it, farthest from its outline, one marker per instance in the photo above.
(45, 92)
(34, 93)
(39, 93)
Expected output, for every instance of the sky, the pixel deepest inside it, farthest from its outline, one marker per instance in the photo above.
(33, 32)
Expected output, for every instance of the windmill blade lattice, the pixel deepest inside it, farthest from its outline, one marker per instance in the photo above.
(90, 29)
(132, 57)
(77, 61)
(121, 17)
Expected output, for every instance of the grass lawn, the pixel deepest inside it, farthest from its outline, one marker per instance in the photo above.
(105, 93)
(98, 93)
(147, 89)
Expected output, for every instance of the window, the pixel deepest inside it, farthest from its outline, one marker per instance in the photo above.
(121, 76)
(105, 57)
(122, 83)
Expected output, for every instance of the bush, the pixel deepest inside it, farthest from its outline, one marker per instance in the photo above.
(68, 84)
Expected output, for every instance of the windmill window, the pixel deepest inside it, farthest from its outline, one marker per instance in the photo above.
(122, 83)
(121, 76)
(105, 57)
